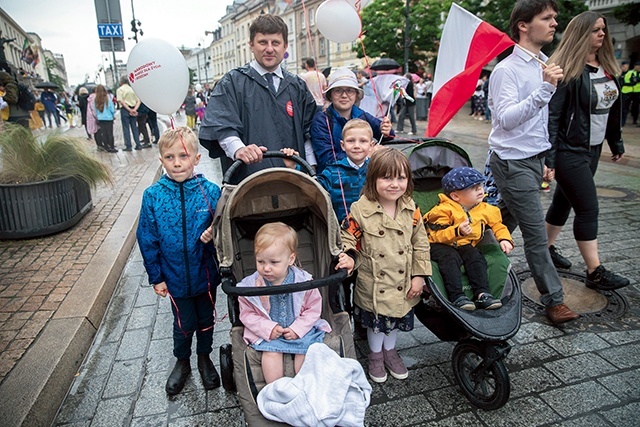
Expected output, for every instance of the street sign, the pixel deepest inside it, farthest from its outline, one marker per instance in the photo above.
(110, 30)
(118, 45)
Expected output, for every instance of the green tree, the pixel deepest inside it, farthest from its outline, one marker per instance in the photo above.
(51, 65)
(628, 14)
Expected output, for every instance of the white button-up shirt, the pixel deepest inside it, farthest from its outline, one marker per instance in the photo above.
(518, 99)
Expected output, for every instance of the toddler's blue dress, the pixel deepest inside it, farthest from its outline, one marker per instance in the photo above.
(281, 311)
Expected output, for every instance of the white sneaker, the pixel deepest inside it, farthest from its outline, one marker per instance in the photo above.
(410, 133)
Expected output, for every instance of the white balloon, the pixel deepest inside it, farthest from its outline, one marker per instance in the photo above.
(198, 87)
(158, 74)
(338, 21)
(358, 4)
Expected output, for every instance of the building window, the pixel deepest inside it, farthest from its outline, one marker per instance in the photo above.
(303, 22)
(312, 16)
(303, 49)
(323, 46)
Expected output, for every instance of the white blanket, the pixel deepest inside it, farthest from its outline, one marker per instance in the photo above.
(328, 391)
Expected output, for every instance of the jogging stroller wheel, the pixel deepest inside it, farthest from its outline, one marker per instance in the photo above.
(484, 383)
(226, 368)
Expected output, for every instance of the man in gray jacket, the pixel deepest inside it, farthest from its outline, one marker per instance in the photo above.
(259, 106)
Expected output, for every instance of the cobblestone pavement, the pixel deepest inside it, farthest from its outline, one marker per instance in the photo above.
(583, 373)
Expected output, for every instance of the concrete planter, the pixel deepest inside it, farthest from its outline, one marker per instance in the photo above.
(42, 208)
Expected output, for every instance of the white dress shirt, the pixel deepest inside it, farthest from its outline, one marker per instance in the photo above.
(518, 99)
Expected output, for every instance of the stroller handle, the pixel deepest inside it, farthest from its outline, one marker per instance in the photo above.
(270, 154)
(230, 289)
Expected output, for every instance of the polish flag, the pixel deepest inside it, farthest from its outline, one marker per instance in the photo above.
(467, 45)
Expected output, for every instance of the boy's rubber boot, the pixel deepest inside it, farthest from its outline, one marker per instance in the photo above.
(208, 373)
(178, 377)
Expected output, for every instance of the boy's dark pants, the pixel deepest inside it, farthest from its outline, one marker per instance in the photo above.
(450, 260)
(196, 315)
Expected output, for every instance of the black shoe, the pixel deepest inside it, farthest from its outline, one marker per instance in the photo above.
(112, 150)
(208, 373)
(178, 377)
(101, 148)
(464, 303)
(146, 145)
(558, 260)
(126, 149)
(138, 147)
(605, 280)
(486, 301)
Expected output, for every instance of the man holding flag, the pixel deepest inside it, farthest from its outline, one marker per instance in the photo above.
(520, 89)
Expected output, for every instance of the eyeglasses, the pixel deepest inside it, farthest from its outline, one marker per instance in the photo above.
(341, 91)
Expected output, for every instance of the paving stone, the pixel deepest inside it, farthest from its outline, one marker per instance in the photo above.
(142, 318)
(151, 421)
(580, 367)
(533, 380)
(186, 404)
(591, 420)
(523, 356)
(134, 344)
(124, 379)
(525, 411)
(419, 381)
(623, 384)
(624, 356)
(160, 355)
(152, 399)
(462, 420)
(532, 332)
(82, 401)
(626, 416)
(448, 400)
(622, 337)
(569, 345)
(113, 412)
(100, 359)
(585, 397)
(400, 412)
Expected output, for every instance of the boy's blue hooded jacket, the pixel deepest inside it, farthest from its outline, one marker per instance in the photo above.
(172, 218)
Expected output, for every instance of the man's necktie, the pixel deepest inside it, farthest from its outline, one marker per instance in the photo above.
(269, 77)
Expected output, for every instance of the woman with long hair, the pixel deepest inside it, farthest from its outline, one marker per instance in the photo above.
(584, 111)
(105, 113)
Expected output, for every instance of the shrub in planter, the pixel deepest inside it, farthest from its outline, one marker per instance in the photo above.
(44, 185)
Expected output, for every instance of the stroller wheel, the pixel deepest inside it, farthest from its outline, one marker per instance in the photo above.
(226, 368)
(485, 385)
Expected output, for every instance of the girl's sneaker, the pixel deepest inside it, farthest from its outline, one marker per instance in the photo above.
(376, 367)
(393, 362)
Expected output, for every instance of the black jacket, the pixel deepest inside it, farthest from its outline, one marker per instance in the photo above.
(570, 118)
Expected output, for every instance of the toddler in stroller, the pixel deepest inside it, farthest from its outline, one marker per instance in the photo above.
(297, 200)
(480, 335)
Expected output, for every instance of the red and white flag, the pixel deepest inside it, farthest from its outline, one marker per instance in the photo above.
(467, 44)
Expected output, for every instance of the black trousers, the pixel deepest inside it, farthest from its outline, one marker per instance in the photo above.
(450, 259)
(104, 136)
(195, 315)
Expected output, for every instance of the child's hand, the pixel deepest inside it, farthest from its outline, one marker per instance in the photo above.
(161, 289)
(465, 228)
(345, 261)
(417, 284)
(506, 246)
(290, 152)
(289, 334)
(207, 235)
(385, 126)
(276, 332)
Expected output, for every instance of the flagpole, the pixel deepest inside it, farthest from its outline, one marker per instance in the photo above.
(544, 65)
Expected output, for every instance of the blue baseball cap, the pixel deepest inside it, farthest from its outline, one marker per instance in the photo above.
(461, 178)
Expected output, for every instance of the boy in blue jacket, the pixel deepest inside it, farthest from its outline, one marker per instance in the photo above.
(175, 239)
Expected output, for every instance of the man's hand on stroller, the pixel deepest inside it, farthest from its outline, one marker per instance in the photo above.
(161, 289)
(290, 152)
(345, 261)
(250, 154)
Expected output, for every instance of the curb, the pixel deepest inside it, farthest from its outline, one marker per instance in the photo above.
(45, 372)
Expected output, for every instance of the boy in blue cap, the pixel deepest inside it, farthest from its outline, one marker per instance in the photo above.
(455, 226)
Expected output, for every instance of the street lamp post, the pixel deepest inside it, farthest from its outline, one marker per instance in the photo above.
(407, 40)
(198, 59)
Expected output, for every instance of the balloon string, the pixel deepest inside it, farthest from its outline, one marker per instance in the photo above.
(311, 44)
(173, 123)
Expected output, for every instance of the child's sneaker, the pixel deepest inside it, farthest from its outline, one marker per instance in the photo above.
(464, 303)
(376, 367)
(393, 362)
(486, 301)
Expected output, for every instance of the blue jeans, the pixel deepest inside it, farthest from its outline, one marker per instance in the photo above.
(129, 124)
(519, 185)
(196, 315)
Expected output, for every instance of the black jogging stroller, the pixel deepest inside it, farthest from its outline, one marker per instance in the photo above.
(295, 198)
(481, 335)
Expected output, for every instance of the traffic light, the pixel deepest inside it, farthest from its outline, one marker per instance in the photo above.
(135, 24)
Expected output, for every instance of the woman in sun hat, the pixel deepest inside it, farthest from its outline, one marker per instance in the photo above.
(343, 93)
